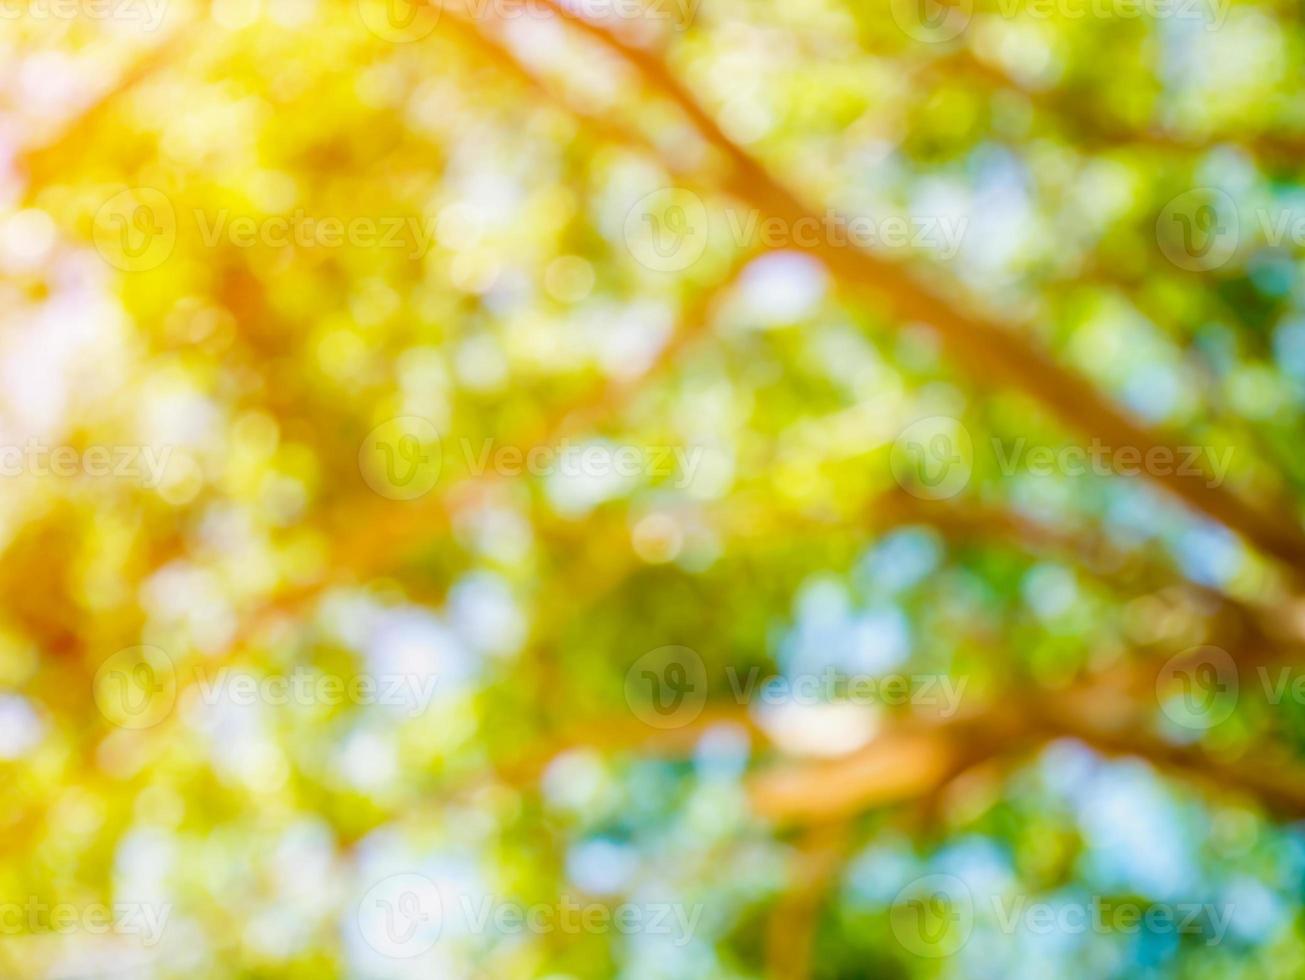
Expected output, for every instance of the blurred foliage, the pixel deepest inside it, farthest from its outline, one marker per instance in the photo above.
(279, 259)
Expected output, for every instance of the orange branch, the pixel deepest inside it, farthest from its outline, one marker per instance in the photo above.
(982, 346)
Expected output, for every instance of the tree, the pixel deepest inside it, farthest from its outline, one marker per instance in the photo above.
(538, 490)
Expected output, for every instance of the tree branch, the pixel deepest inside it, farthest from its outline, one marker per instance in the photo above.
(982, 346)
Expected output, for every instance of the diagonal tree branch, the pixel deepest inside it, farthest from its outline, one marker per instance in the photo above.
(980, 345)
(1094, 131)
(915, 754)
(1264, 632)
(39, 162)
